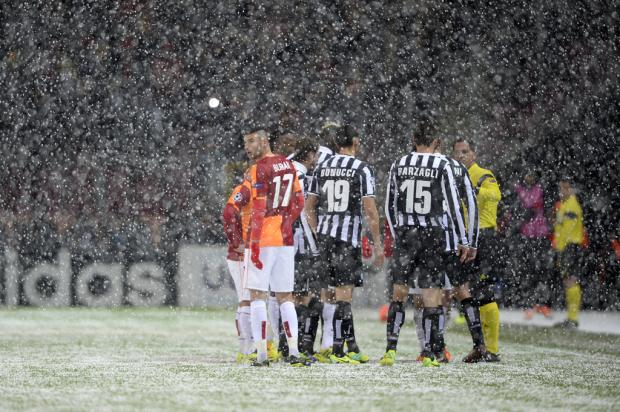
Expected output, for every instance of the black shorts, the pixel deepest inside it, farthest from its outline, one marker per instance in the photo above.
(421, 248)
(458, 273)
(341, 263)
(306, 275)
(482, 291)
(486, 263)
(571, 261)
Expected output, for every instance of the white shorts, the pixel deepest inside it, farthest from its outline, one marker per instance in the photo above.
(237, 272)
(278, 272)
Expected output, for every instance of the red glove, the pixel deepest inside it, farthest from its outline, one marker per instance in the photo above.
(388, 244)
(255, 255)
(366, 250)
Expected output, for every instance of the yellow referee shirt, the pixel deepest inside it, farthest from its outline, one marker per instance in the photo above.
(488, 195)
(568, 227)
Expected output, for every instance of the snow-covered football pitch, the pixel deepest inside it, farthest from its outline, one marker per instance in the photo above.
(172, 359)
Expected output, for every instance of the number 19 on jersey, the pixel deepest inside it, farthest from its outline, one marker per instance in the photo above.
(337, 192)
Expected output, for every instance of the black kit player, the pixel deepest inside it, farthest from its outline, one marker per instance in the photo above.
(422, 195)
(341, 196)
(307, 285)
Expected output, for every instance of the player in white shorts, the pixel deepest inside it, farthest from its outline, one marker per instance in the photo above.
(277, 202)
(235, 218)
(278, 272)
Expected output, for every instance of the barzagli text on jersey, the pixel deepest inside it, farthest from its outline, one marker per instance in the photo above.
(414, 171)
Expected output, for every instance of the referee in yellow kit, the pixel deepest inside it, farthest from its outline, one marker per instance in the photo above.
(488, 196)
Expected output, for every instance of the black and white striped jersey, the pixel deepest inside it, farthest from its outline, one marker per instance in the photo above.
(468, 196)
(341, 182)
(422, 192)
(324, 153)
(303, 237)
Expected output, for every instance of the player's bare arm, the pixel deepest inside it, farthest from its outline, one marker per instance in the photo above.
(310, 210)
(372, 217)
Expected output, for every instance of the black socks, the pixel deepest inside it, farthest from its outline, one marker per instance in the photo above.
(308, 329)
(343, 329)
(472, 315)
(433, 334)
(396, 318)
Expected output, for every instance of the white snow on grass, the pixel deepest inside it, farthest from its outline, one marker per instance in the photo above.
(589, 321)
(163, 359)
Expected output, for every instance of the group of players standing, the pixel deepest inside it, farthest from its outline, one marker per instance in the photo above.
(295, 226)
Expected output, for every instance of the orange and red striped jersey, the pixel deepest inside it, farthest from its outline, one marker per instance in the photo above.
(273, 182)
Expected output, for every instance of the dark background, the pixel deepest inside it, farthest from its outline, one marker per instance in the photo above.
(106, 130)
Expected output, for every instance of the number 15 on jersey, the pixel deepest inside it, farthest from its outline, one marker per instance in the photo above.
(417, 196)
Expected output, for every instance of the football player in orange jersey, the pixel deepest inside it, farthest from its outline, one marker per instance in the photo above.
(277, 201)
(236, 218)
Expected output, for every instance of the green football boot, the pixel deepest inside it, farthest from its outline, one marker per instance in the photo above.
(388, 358)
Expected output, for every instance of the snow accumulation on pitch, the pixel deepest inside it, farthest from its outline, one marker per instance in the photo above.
(589, 321)
(184, 360)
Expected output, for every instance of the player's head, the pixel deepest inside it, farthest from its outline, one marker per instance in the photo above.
(425, 136)
(256, 143)
(345, 138)
(464, 151)
(326, 135)
(566, 187)
(438, 147)
(530, 178)
(284, 143)
(305, 152)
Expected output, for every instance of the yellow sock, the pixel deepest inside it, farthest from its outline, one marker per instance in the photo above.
(489, 317)
(573, 302)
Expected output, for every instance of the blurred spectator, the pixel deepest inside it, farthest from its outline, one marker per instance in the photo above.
(37, 239)
(568, 240)
(533, 248)
(89, 242)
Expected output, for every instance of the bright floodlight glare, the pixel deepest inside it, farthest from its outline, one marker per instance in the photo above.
(213, 102)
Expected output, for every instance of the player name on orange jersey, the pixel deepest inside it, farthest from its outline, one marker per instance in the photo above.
(277, 167)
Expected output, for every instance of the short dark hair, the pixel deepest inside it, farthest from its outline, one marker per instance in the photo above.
(256, 130)
(338, 136)
(472, 145)
(425, 132)
(283, 140)
(326, 135)
(303, 147)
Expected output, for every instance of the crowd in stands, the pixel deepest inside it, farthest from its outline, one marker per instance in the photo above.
(108, 138)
